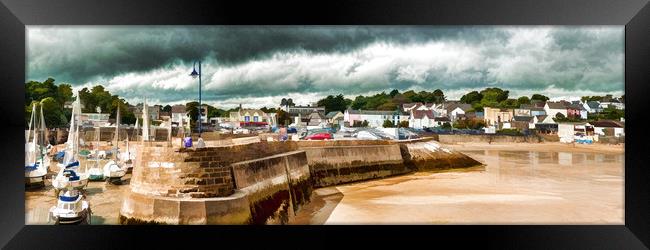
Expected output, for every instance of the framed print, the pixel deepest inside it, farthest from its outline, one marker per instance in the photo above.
(521, 124)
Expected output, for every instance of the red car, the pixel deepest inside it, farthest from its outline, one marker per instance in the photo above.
(319, 136)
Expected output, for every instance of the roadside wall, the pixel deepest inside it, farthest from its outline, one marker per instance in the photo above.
(451, 139)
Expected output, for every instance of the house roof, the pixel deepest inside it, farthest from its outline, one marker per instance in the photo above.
(410, 105)
(419, 114)
(593, 104)
(316, 115)
(178, 109)
(331, 115)
(606, 124)
(463, 106)
(522, 118)
(576, 107)
(370, 112)
(306, 107)
(556, 105)
(531, 107)
(251, 111)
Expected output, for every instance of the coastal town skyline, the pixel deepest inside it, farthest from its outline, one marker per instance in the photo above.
(310, 63)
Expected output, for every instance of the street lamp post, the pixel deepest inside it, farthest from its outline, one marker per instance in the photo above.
(194, 74)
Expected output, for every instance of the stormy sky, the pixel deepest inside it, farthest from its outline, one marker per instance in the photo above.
(259, 65)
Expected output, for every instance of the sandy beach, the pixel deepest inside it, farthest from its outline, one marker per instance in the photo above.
(519, 184)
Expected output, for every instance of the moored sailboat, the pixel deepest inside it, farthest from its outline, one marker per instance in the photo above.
(35, 159)
(68, 177)
(95, 173)
(114, 170)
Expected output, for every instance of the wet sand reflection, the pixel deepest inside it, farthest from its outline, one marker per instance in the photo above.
(514, 187)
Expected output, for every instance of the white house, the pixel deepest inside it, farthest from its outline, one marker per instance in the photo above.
(334, 116)
(179, 114)
(375, 118)
(614, 103)
(592, 107)
(567, 131)
(455, 110)
(608, 128)
(420, 119)
(553, 108)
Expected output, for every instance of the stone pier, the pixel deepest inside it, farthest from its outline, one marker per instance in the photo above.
(260, 182)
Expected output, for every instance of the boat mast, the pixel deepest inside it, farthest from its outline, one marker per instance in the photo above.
(117, 132)
(145, 121)
(34, 140)
(43, 129)
(32, 124)
(31, 121)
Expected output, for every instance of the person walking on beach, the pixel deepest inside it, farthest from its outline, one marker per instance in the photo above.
(200, 143)
(283, 133)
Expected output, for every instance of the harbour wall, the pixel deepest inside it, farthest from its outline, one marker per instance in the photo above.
(333, 165)
(429, 155)
(213, 185)
(262, 182)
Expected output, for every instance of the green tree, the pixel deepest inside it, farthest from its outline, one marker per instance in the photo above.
(359, 102)
(266, 110)
(388, 106)
(471, 97)
(559, 117)
(469, 124)
(332, 103)
(388, 124)
(509, 103)
(167, 108)
(394, 92)
(53, 113)
(539, 97)
(438, 96)
(283, 117)
(494, 95)
(404, 124)
(523, 100)
(193, 112)
(64, 93)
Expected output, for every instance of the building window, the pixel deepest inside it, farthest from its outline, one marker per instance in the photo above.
(247, 118)
(255, 118)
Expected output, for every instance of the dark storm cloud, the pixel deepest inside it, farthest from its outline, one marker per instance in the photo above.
(262, 61)
(81, 54)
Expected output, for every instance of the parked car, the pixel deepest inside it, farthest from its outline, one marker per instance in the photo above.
(241, 131)
(365, 135)
(319, 136)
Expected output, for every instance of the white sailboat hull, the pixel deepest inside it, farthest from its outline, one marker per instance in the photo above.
(61, 182)
(113, 170)
(74, 212)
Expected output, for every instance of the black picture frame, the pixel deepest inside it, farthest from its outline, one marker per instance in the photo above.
(635, 15)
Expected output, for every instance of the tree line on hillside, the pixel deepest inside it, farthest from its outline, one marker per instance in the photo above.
(53, 98)
(489, 97)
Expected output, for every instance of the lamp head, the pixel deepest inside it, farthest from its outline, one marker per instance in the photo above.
(194, 74)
